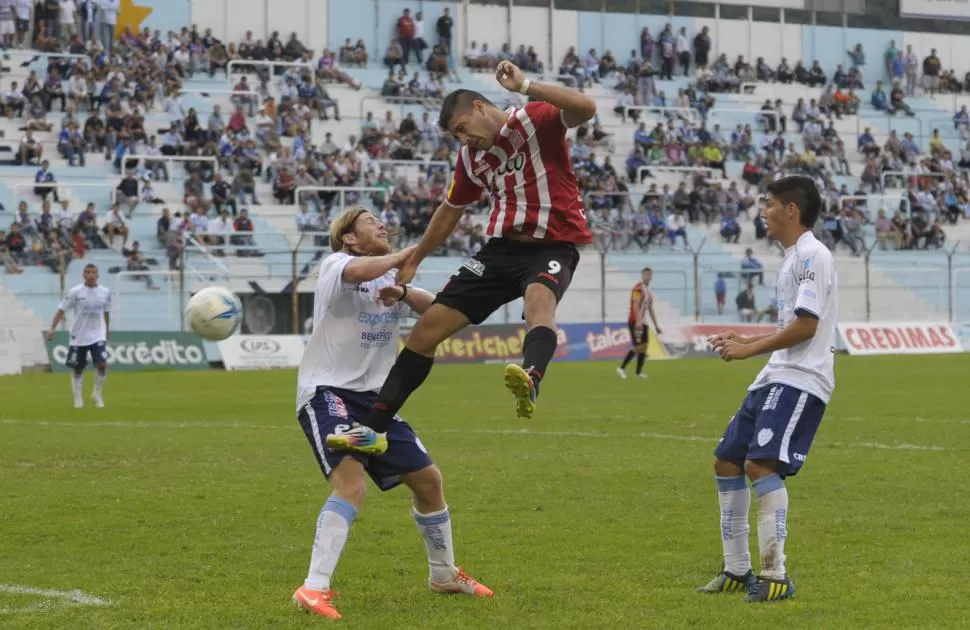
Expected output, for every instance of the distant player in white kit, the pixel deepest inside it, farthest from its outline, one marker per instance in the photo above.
(357, 310)
(88, 309)
(769, 437)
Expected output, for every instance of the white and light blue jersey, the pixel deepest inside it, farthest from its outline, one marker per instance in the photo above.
(85, 308)
(807, 282)
(355, 338)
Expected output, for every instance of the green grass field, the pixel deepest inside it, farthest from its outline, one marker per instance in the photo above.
(190, 502)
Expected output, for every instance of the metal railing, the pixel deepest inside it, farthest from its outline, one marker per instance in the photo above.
(398, 102)
(878, 285)
(685, 170)
(59, 186)
(906, 176)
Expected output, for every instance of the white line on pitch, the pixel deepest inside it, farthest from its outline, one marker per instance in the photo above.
(201, 424)
(52, 599)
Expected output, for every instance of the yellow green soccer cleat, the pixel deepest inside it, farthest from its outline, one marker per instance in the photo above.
(770, 590)
(523, 388)
(725, 582)
(358, 439)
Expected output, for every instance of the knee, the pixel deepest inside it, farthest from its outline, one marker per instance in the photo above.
(727, 468)
(756, 469)
(540, 305)
(350, 486)
(427, 485)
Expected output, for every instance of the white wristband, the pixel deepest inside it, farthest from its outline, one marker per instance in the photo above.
(525, 87)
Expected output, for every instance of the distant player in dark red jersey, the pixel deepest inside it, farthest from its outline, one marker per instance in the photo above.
(535, 224)
(641, 305)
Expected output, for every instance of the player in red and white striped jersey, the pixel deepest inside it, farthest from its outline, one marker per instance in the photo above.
(536, 222)
(641, 305)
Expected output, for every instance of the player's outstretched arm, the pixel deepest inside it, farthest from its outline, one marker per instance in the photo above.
(576, 107)
(367, 268)
(443, 223)
(417, 299)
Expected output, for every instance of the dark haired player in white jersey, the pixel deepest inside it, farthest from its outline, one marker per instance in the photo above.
(535, 224)
(641, 306)
(769, 437)
(356, 312)
(88, 309)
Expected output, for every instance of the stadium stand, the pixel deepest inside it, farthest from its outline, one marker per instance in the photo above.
(226, 160)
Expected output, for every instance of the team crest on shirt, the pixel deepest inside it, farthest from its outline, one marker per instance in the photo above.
(764, 436)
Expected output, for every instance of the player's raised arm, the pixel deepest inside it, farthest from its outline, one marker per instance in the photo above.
(442, 224)
(576, 107)
(367, 268)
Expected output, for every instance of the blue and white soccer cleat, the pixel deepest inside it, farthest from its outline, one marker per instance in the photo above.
(725, 582)
(770, 590)
(358, 439)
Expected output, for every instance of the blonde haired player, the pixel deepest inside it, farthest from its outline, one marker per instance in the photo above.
(641, 305)
(356, 326)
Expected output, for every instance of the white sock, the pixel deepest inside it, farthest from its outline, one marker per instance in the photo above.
(435, 529)
(333, 525)
(77, 384)
(735, 500)
(772, 524)
(99, 382)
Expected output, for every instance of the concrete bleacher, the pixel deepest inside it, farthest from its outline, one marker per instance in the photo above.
(901, 285)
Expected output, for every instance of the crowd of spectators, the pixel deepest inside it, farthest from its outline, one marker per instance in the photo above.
(267, 135)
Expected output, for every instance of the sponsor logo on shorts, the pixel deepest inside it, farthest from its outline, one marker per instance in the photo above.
(475, 266)
(771, 402)
(798, 457)
(548, 276)
(335, 405)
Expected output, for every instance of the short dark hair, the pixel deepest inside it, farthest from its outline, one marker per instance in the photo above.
(801, 191)
(90, 266)
(456, 102)
(646, 269)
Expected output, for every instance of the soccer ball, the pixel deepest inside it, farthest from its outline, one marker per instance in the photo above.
(214, 313)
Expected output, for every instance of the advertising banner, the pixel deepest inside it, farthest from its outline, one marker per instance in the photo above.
(9, 352)
(137, 351)
(900, 338)
(261, 352)
(935, 9)
(577, 342)
(691, 341)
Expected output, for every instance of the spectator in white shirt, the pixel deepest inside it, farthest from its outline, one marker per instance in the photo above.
(109, 17)
(676, 226)
(115, 226)
(306, 221)
(67, 22)
(217, 231)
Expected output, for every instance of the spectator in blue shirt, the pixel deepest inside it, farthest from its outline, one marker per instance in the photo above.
(961, 118)
(878, 98)
(730, 230)
(752, 268)
(44, 182)
(720, 292)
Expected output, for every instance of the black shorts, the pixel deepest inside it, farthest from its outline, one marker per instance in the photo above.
(638, 337)
(501, 271)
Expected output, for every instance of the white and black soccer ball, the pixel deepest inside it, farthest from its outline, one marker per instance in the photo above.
(214, 313)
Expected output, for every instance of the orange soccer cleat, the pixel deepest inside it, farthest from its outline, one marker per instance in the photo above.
(316, 602)
(461, 583)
